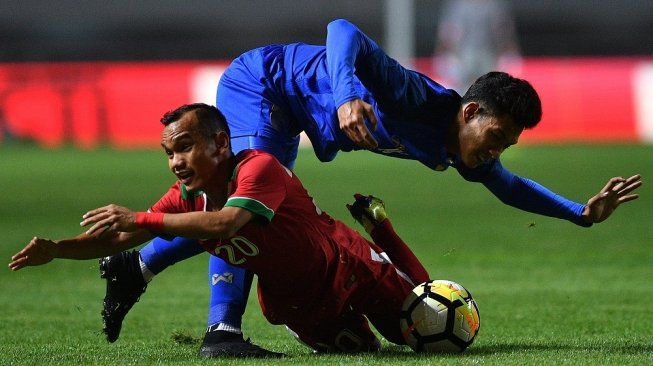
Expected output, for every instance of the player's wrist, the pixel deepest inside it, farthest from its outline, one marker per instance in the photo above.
(152, 221)
(586, 215)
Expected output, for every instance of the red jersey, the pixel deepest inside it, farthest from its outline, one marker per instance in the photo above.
(309, 266)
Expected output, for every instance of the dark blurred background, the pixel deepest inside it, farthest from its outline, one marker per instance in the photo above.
(68, 30)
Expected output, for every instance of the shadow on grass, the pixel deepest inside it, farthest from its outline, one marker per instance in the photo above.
(397, 352)
(404, 353)
(616, 348)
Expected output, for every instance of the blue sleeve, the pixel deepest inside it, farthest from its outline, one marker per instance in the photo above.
(350, 52)
(345, 44)
(524, 193)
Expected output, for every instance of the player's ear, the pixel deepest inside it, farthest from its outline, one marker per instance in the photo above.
(222, 141)
(469, 110)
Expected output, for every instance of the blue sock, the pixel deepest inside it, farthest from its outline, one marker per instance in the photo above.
(160, 253)
(229, 292)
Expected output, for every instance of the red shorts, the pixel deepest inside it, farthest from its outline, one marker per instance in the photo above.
(363, 284)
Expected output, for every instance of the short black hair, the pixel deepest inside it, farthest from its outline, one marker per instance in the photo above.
(500, 94)
(210, 118)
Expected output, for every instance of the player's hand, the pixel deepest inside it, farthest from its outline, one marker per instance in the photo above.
(616, 192)
(111, 218)
(352, 116)
(39, 251)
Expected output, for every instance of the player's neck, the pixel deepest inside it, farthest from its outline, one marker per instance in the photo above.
(451, 141)
(218, 189)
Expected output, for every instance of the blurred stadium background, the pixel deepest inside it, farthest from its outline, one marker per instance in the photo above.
(96, 72)
(84, 83)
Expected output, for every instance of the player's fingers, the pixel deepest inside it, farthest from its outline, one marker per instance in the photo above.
(18, 263)
(612, 183)
(634, 178)
(371, 118)
(356, 136)
(627, 198)
(96, 217)
(15, 265)
(627, 188)
(29, 247)
(96, 211)
(17, 256)
(368, 141)
(102, 225)
(353, 136)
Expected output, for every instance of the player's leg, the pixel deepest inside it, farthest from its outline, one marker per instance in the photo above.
(383, 304)
(229, 291)
(348, 333)
(382, 301)
(229, 288)
(161, 253)
(127, 275)
(370, 212)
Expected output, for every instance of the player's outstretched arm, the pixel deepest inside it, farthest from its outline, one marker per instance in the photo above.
(114, 219)
(616, 191)
(41, 251)
(98, 244)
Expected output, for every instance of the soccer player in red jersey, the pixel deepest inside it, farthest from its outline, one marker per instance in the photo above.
(315, 274)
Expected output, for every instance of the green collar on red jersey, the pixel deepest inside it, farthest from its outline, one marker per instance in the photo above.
(185, 195)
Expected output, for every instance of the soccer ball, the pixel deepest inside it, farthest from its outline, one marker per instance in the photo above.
(439, 316)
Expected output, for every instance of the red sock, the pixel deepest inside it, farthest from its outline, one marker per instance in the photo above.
(384, 236)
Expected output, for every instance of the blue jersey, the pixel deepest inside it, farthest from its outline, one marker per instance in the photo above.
(270, 94)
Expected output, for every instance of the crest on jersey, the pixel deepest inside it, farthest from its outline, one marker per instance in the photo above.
(398, 149)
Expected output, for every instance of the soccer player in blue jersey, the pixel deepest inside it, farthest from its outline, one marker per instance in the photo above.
(350, 95)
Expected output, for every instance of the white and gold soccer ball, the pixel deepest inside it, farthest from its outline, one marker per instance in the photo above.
(440, 316)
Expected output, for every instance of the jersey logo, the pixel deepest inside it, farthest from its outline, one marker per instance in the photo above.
(226, 277)
(399, 148)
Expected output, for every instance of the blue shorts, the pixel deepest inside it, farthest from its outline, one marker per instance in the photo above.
(248, 96)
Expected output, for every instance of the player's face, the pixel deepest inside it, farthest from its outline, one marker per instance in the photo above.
(192, 157)
(483, 138)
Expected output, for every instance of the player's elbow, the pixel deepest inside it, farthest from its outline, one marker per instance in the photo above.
(340, 25)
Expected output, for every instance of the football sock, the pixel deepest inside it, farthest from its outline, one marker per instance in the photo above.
(223, 327)
(160, 253)
(400, 254)
(147, 274)
(229, 286)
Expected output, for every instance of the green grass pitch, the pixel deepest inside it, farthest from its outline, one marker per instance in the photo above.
(549, 292)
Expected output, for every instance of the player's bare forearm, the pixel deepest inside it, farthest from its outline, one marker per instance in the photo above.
(214, 225)
(193, 225)
(40, 251)
(86, 246)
